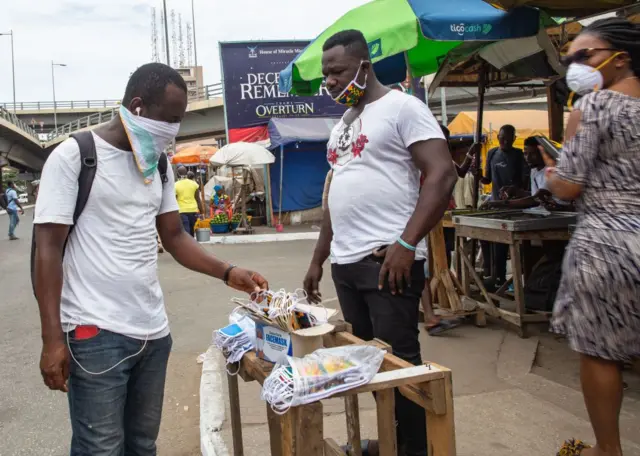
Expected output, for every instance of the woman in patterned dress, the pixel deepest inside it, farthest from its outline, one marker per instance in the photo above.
(598, 304)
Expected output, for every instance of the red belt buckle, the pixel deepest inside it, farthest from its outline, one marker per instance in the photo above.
(86, 332)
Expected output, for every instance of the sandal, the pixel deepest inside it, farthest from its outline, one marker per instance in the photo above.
(442, 326)
(364, 444)
(572, 447)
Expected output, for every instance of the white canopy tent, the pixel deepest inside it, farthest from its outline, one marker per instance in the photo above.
(243, 155)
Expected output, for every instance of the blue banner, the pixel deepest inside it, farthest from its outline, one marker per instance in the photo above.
(251, 71)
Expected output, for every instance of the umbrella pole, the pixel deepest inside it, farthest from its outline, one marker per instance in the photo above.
(281, 171)
(482, 85)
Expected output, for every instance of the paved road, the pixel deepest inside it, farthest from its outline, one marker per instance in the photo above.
(33, 420)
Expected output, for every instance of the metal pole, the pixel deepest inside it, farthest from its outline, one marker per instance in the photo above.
(195, 47)
(482, 83)
(443, 106)
(13, 72)
(53, 85)
(166, 31)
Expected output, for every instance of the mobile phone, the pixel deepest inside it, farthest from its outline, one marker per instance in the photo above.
(549, 147)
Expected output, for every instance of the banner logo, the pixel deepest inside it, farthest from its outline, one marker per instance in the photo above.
(375, 48)
(462, 29)
(252, 52)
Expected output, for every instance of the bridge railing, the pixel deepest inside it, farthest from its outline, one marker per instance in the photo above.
(12, 118)
(201, 93)
(50, 105)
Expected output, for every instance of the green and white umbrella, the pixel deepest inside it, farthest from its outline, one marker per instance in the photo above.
(411, 33)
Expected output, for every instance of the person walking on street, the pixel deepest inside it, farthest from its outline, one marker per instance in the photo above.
(105, 333)
(377, 218)
(13, 206)
(188, 196)
(598, 305)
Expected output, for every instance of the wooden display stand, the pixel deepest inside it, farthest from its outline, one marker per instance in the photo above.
(515, 239)
(444, 284)
(300, 431)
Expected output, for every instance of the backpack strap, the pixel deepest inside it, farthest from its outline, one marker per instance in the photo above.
(88, 168)
(163, 164)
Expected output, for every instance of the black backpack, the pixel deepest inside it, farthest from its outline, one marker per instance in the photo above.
(88, 168)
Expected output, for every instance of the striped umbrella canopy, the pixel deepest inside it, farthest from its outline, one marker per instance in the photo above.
(416, 34)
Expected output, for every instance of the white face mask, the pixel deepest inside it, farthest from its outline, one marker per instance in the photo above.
(583, 79)
(149, 139)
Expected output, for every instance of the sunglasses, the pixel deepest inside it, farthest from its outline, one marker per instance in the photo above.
(582, 55)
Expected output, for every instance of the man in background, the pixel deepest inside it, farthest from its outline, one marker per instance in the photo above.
(13, 205)
(505, 167)
(188, 196)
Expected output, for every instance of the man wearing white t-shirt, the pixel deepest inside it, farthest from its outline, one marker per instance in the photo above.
(104, 325)
(377, 217)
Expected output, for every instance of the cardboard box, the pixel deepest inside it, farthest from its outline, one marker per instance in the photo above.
(274, 344)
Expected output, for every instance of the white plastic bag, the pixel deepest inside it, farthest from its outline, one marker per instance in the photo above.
(321, 374)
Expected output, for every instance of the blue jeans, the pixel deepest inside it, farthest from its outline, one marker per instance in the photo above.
(117, 413)
(14, 220)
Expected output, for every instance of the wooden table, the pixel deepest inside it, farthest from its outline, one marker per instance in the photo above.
(515, 239)
(300, 430)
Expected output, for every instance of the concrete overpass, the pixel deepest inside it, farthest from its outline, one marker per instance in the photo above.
(204, 119)
(19, 143)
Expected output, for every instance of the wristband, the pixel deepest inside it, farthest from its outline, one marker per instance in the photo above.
(405, 245)
(225, 278)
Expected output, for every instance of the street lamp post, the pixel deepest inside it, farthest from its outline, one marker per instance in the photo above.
(53, 85)
(13, 68)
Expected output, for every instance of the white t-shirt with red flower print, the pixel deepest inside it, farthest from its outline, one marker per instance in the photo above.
(375, 184)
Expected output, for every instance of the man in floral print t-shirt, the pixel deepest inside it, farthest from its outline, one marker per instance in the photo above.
(377, 217)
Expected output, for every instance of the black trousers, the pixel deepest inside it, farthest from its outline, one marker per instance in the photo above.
(393, 319)
(495, 257)
(189, 221)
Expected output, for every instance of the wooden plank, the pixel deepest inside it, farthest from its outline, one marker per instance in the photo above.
(352, 412)
(396, 378)
(441, 428)
(387, 443)
(492, 309)
(485, 234)
(275, 431)
(518, 287)
(234, 412)
(254, 367)
(440, 264)
(437, 388)
(302, 431)
(452, 293)
(545, 235)
(331, 448)
(542, 317)
(462, 272)
(511, 317)
(481, 318)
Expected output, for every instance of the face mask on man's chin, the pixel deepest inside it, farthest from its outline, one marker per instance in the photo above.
(148, 138)
(354, 91)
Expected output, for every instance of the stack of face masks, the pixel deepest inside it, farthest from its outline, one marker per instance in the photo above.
(235, 339)
(319, 375)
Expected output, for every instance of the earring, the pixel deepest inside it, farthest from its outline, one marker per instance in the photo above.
(138, 110)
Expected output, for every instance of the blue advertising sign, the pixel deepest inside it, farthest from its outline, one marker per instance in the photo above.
(251, 71)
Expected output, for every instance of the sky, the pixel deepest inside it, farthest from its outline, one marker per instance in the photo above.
(103, 41)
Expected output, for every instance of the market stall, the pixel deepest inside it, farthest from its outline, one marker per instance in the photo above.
(243, 157)
(301, 355)
(519, 230)
(298, 173)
